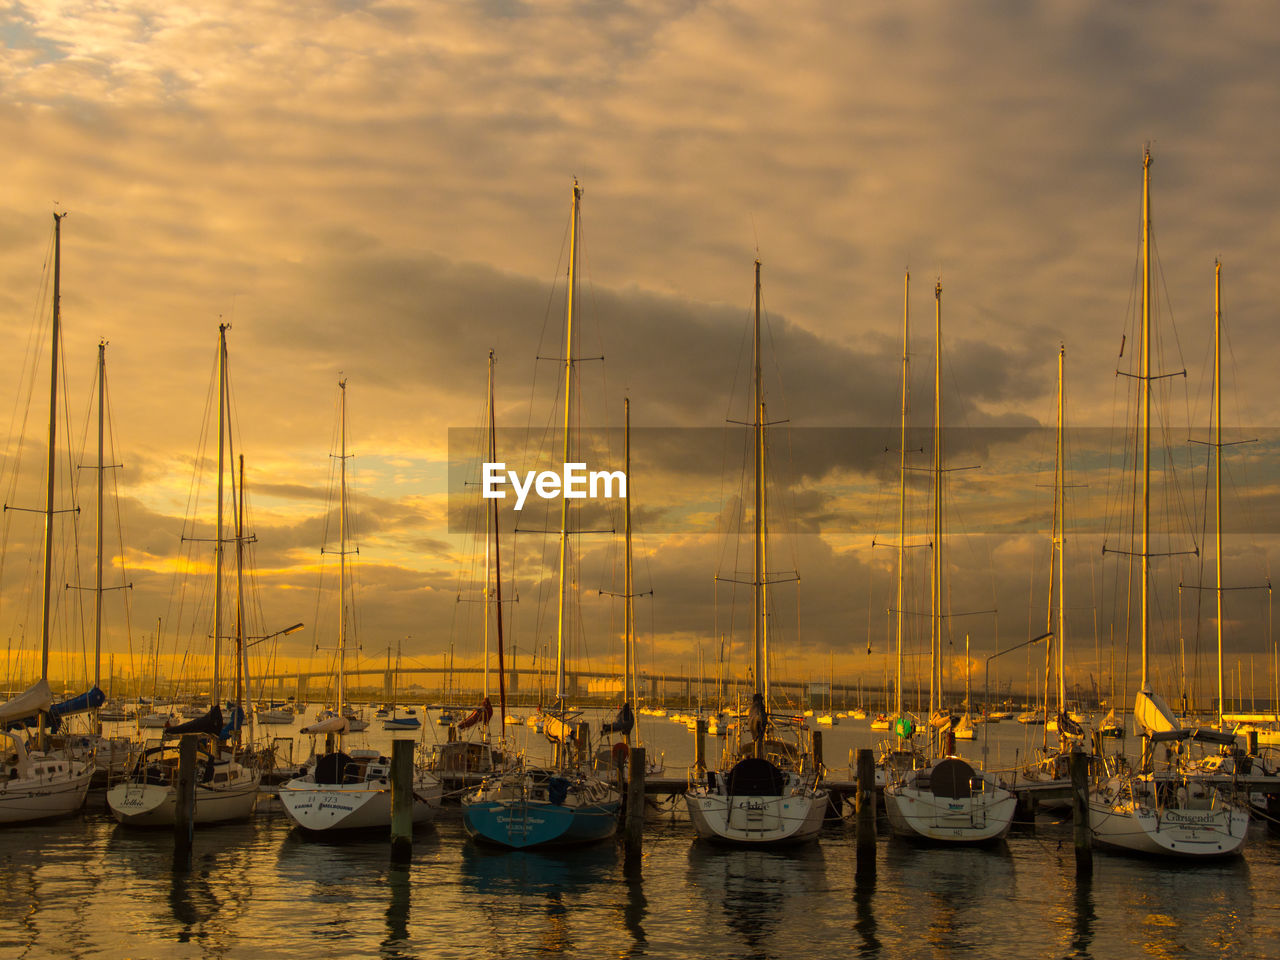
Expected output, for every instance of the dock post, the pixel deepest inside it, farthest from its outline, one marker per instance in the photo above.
(634, 827)
(866, 815)
(817, 753)
(1251, 743)
(185, 801)
(700, 747)
(401, 801)
(582, 743)
(1082, 833)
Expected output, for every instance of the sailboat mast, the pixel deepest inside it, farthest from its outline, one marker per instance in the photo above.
(757, 596)
(1061, 479)
(217, 542)
(568, 410)
(1217, 437)
(53, 437)
(497, 570)
(242, 671)
(488, 571)
(342, 542)
(1144, 382)
(935, 676)
(902, 487)
(628, 607)
(97, 593)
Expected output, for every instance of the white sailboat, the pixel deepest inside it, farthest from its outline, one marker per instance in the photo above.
(44, 782)
(1165, 812)
(528, 806)
(944, 800)
(769, 793)
(348, 789)
(226, 789)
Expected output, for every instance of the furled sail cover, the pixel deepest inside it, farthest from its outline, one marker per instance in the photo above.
(330, 725)
(622, 723)
(482, 714)
(28, 703)
(232, 725)
(555, 728)
(89, 700)
(210, 723)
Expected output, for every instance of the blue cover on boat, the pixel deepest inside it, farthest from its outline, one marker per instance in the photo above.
(234, 724)
(89, 700)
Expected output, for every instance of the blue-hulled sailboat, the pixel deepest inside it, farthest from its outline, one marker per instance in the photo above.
(527, 806)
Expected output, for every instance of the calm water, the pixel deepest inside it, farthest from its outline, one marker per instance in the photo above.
(84, 887)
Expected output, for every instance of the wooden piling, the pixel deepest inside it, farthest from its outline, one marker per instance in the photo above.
(865, 806)
(1083, 835)
(185, 801)
(1251, 743)
(634, 827)
(700, 747)
(582, 743)
(401, 801)
(817, 752)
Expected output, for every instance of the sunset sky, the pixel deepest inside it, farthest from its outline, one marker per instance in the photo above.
(380, 192)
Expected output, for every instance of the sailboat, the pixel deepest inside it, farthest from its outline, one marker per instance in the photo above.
(348, 789)
(42, 782)
(944, 800)
(470, 749)
(769, 795)
(530, 806)
(395, 718)
(1165, 812)
(226, 788)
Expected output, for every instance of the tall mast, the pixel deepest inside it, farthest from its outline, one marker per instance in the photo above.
(935, 675)
(568, 410)
(242, 671)
(488, 570)
(1217, 438)
(628, 606)
(217, 543)
(53, 437)
(52, 463)
(1145, 401)
(758, 612)
(342, 542)
(97, 594)
(902, 487)
(1061, 480)
(497, 569)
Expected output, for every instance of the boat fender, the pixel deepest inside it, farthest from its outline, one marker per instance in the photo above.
(620, 754)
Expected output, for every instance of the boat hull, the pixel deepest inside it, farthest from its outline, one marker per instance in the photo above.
(757, 820)
(155, 805)
(918, 814)
(1218, 831)
(42, 798)
(330, 807)
(522, 823)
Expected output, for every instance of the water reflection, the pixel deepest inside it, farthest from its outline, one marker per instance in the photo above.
(394, 945)
(192, 902)
(1082, 933)
(758, 890)
(635, 908)
(1187, 909)
(950, 894)
(558, 884)
(864, 918)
